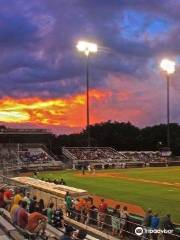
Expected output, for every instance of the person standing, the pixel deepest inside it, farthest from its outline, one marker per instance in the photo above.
(36, 223)
(123, 221)
(102, 209)
(22, 215)
(154, 225)
(2, 203)
(116, 220)
(68, 203)
(33, 205)
(50, 213)
(27, 199)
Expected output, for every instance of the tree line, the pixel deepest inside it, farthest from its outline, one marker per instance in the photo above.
(123, 137)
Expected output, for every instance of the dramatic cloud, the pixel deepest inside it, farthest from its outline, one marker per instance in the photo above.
(39, 63)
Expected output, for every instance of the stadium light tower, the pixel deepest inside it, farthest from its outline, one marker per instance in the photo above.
(87, 48)
(168, 67)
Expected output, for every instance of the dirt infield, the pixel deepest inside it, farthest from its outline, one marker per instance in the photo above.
(124, 176)
(112, 203)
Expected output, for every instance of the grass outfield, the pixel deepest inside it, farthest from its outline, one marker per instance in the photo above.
(127, 185)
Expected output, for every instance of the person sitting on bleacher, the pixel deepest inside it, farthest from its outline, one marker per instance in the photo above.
(40, 206)
(33, 205)
(2, 203)
(14, 211)
(80, 235)
(57, 219)
(18, 196)
(22, 215)
(8, 198)
(36, 223)
(27, 199)
(68, 235)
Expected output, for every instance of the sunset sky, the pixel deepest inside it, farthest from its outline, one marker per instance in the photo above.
(42, 75)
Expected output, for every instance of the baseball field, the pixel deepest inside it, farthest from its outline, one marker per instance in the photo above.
(156, 188)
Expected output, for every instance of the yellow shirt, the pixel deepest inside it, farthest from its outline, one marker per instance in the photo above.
(17, 198)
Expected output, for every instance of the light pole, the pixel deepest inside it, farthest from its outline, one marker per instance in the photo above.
(87, 48)
(169, 67)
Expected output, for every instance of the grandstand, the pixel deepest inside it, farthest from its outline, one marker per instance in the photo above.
(145, 156)
(105, 157)
(21, 157)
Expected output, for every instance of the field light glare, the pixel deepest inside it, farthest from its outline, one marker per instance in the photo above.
(168, 66)
(87, 47)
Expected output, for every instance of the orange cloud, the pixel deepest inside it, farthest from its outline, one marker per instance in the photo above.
(68, 111)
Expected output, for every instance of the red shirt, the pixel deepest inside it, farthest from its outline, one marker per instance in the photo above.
(22, 218)
(103, 207)
(33, 220)
(8, 194)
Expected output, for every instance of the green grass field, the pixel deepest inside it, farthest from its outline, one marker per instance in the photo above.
(161, 198)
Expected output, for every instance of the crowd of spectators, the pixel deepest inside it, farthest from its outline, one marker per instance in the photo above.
(110, 155)
(95, 153)
(33, 158)
(31, 215)
(116, 220)
(143, 156)
(27, 212)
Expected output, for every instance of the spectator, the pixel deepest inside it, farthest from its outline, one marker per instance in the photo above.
(55, 181)
(40, 206)
(82, 209)
(22, 215)
(80, 235)
(36, 223)
(14, 212)
(18, 196)
(102, 209)
(123, 221)
(58, 220)
(116, 220)
(33, 205)
(90, 209)
(35, 174)
(154, 221)
(62, 182)
(68, 235)
(8, 198)
(27, 199)
(166, 223)
(68, 203)
(50, 213)
(154, 225)
(77, 209)
(146, 222)
(2, 203)
(147, 218)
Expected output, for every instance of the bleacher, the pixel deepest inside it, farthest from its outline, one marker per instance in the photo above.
(145, 156)
(93, 155)
(26, 156)
(109, 157)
